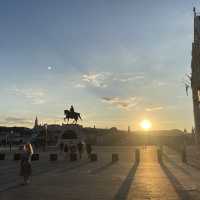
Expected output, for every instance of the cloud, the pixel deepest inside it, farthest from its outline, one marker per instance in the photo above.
(36, 96)
(121, 103)
(127, 77)
(79, 85)
(96, 80)
(157, 83)
(154, 109)
(104, 79)
(167, 122)
(16, 121)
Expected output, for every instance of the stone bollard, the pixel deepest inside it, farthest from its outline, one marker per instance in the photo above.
(115, 157)
(159, 155)
(2, 156)
(35, 157)
(73, 157)
(53, 157)
(137, 155)
(184, 156)
(93, 157)
(17, 156)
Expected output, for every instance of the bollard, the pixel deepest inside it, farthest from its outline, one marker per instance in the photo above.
(35, 157)
(2, 156)
(73, 157)
(184, 156)
(93, 157)
(53, 157)
(137, 155)
(17, 156)
(115, 157)
(159, 155)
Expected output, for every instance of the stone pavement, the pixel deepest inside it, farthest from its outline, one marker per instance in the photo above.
(150, 180)
(184, 177)
(102, 179)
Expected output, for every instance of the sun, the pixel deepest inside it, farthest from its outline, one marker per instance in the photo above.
(145, 124)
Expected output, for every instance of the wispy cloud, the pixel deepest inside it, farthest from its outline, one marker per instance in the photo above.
(105, 79)
(154, 109)
(127, 77)
(157, 83)
(168, 122)
(121, 103)
(79, 85)
(37, 96)
(96, 80)
(13, 121)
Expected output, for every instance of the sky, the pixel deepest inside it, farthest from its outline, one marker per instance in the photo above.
(117, 61)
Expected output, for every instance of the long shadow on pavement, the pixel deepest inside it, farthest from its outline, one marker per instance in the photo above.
(175, 164)
(124, 189)
(194, 165)
(183, 194)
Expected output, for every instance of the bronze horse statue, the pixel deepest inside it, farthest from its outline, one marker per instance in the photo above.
(72, 115)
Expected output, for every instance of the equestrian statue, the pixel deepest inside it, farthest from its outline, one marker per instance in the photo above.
(71, 114)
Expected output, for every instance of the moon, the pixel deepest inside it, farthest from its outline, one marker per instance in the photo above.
(49, 68)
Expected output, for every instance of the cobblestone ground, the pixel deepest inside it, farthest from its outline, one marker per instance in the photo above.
(97, 180)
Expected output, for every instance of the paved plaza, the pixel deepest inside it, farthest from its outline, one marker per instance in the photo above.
(125, 179)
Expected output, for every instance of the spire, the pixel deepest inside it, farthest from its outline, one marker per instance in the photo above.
(194, 10)
(36, 122)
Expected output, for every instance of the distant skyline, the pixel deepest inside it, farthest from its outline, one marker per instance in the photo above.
(118, 62)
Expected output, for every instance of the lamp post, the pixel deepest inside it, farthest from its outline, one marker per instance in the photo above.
(184, 137)
(184, 154)
(10, 138)
(45, 137)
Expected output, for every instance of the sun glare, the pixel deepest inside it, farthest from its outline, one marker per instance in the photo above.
(145, 124)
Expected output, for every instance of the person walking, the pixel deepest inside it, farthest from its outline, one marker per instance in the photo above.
(72, 148)
(80, 149)
(66, 149)
(61, 147)
(88, 149)
(25, 164)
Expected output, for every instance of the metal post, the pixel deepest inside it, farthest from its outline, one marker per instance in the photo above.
(184, 154)
(45, 137)
(11, 133)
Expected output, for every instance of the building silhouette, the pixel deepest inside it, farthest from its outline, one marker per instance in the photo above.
(36, 125)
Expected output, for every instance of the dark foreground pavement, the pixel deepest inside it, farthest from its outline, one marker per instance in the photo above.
(103, 179)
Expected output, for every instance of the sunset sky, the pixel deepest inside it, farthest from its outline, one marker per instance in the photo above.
(117, 61)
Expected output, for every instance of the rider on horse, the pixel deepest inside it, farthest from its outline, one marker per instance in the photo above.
(71, 114)
(71, 109)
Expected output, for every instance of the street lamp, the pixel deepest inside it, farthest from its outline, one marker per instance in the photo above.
(45, 136)
(11, 134)
(184, 137)
(184, 156)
